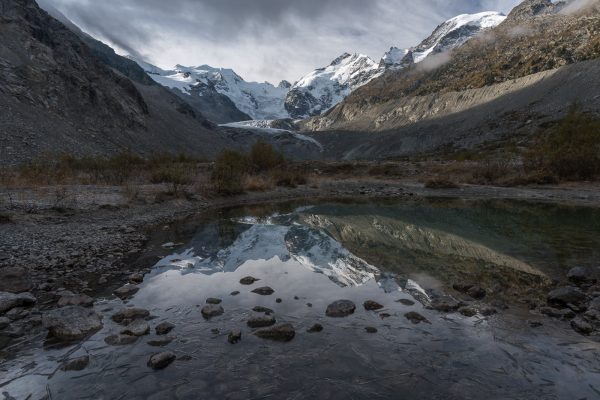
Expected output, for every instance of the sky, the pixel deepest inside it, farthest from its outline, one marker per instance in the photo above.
(263, 40)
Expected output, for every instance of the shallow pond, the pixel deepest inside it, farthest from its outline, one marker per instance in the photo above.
(314, 255)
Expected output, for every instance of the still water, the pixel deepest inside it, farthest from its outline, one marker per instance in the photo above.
(312, 255)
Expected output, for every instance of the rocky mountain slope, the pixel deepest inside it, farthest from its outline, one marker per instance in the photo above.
(253, 100)
(57, 96)
(508, 71)
(325, 87)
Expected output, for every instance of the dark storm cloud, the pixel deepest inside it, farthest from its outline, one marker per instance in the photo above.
(263, 39)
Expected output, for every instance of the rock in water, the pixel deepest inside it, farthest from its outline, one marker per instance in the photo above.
(120, 340)
(161, 360)
(212, 300)
(126, 291)
(415, 317)
(371, 329)
(315, 328)
(212, 310)
(234, 336)
(71, 299)
(264, 291)
(261, 321)
(71, 322)
(468, 311)
(371, 305)
(76, 364)
(262, 309)
(15, 280)
(579, 275)
(9, 301)
(138, 327)
(565, 296)
(249, 280)
(235, 293)
(445, 304)
(582, 326)
(406, 302)
(340, 308)
(163, 328)
(280, 333)
(129, 314)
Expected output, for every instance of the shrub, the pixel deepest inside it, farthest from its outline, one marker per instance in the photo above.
(571, 150)
(257, 183)
(440, 183)
(229, 171)
(175, 175)
(490, 171)
(289, 178)
(263, 157)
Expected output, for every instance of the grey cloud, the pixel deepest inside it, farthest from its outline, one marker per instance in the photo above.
(263, 39)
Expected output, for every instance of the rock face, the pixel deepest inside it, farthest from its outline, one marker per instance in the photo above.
(340, 308)
(129, 314)
(71, 322)
(9, 301)
(280, 333)
(212, 310)
(14, 280)
(161, 360)
(64, 94)
(323, 88)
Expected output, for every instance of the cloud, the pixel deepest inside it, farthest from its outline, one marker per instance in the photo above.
(263, 39)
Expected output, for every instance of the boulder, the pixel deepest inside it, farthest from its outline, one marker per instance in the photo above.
(129, 314)
(76, 364)
(120, 340)
(137, 327)
(248, 280)
(567, 296)
(234, 336)
(582, 326)
(163, 328)
(340, 309)
(371, 305)
(212, 310)
(280, 333)
(261, 321)
(71, 299)
(161, 360)
(9, 301)
(264, 291)
(71, 322)
(445, 304)
(415, 317)
(579, 275)
(15, 280)
(126, 291)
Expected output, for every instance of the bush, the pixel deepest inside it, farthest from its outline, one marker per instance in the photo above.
(229, 171)
(263, 157)
(440, 183)
(257, 183)
(175, 175)
(490, 171)
(571, 150)
(289, 178)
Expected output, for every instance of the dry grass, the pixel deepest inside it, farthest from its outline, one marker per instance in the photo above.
(257, 183)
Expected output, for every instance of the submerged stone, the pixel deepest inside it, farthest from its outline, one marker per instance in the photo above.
(248, 280)
(120, 340)
(161, 360)
(76, 364)
(280, 333)
(234, 336)
(340, 309)
(212, 310)
(315, 328)
(261, 321)
(264, 291)
(163, 328)
(128, 314)
(371, 305)
(416, 318)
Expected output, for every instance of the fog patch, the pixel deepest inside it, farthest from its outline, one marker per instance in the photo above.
(434, 61)
(578, 6)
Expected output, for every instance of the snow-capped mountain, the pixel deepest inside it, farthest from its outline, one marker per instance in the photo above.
(258, 100)
(325, 87)
(451, 34)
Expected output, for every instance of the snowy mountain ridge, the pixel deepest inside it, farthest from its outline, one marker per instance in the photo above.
(323, 88)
